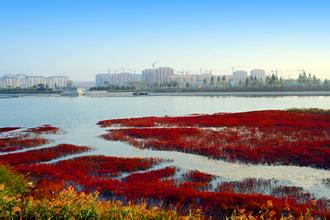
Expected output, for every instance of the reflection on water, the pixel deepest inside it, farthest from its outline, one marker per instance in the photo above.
(78, 118)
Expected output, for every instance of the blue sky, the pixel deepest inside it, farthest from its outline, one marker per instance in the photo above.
(82, 38)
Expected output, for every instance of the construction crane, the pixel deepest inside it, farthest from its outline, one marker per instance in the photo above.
(153, 65)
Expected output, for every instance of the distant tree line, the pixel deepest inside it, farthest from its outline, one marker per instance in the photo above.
(221, 82)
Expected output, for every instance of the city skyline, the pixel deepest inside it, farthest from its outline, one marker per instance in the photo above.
(83, 38)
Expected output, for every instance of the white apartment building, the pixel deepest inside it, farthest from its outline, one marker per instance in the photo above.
(116, 79)
(239, 76)
(258, 73)
(24, 81)
(13, 81)
(57, 82)
(148, 75)
(158, 76)
(32, 81)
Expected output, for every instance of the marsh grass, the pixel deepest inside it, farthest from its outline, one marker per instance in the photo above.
(309, 110)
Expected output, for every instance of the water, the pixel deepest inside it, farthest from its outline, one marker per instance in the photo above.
(78, 118)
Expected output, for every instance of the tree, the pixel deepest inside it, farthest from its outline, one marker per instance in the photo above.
(69, 83)
(205, 81)
(41, 86)
(302, 78)
(218, 80)
(315, 81)
(212, 81)
(246, 82)
(267, 81)
(223, 80)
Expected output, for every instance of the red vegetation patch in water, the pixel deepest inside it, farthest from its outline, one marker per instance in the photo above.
(301, 139)
(269, 118)
(271, 187)
(249, 185)
(42, 155)
(158, 187)
(45, 129)
(243, 145)
(294, 192)
(7, 129)
(21, 142)
(197, 176)
(197, 180)
(90, 173)
(187, 194)
(89, 168)
(154, 175)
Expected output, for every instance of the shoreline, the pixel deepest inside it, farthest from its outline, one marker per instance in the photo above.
(238, 94)
(96, 94)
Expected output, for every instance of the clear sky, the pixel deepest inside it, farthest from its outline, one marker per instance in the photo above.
(82, 38)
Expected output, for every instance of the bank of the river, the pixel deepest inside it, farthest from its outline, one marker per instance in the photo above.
(173, 92)
(260, 93)
(18, 95)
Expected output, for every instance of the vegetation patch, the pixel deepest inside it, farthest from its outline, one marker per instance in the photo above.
(7, 129)
(266, 137)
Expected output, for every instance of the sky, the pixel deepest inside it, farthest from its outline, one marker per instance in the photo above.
(82, 38)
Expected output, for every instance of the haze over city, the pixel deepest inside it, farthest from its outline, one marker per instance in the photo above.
(82, 38)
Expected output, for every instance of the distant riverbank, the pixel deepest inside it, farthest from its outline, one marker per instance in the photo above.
(18, 95)
(179, 93)
(263, 93)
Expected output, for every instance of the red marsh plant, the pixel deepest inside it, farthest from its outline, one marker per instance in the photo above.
(7, 129)
(136, 179)
(268, 118)
(157, 187)
(42, 155)
(45, 129)
(267, 137)
(20, 142)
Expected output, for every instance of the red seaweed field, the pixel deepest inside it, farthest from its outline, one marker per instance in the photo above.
(27, 138)
(45, 129)
(17, 143)
(264, 137)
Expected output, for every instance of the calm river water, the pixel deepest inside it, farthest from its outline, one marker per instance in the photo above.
(78, 118)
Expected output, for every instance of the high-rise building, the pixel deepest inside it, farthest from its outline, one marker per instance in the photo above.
(258, 73)
(239, 76)
(148, 75)
(32, 81)
(57, 82)
(13, 81)
(24, 81)
(116, 79)
(158, 76)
